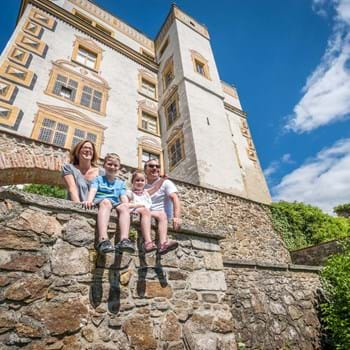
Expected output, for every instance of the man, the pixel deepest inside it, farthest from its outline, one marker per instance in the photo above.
(166, 198)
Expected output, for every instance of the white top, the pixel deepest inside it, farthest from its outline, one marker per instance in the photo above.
(161, 200)
(144, 198)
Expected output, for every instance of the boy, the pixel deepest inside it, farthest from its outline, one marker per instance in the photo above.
(108, 192)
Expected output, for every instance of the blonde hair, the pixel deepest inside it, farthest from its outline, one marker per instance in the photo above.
(113, 156)
(74, 153)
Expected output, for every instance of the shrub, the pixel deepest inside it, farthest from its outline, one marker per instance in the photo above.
(336, 310)
(342, 210)
(46, 190)
(301, 224)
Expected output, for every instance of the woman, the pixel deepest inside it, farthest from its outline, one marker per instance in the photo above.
(82, 169)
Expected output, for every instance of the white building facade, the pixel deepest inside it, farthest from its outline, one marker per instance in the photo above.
(73, 71)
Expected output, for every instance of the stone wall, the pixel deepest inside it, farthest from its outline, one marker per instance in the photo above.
(56, 293)
(274, 307)
(317, 254)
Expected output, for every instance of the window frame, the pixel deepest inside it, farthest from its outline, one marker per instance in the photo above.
(37, 31)
(72, 126)
(163, 47)
(178, 136)
(147, 148)
(50, 21)
(4, 73)
(169, 67)
(143, 110)
(79, 43)
(10, 90)
(197, 58)
(150, 80)
(79, 90)
(38, 51)
(12, 57)
(174, 98)
(10, 121)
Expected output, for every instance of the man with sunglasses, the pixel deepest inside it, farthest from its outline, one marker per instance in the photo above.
(166, 198)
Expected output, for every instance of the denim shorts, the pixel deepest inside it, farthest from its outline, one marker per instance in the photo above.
(97, 201)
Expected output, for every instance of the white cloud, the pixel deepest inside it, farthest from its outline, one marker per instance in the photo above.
(276, 164)
(326, 96)
(322, 181)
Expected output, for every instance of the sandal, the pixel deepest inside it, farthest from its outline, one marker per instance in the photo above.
(167, 246)
(149, 247)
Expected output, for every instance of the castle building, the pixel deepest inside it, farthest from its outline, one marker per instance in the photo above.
(73, 71)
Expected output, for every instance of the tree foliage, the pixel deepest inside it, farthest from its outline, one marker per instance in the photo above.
(301, 224)
(336, 310)
(46, 190)
(343, 210)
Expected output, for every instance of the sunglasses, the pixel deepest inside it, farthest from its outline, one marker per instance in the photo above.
(152, 166)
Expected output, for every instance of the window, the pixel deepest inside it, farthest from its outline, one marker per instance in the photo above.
(171, 110)
(168, 74)
(163, 48)
(66, 88)
(6, 90)
(86, 57)
(34, 45)
(65, 129)
(91, 98)
(42, 18)
(92, 22)
(147, 152)
(73, 89)
(176, 150)
(87, 53)
(16, 73)
(8, 114)
(32, 28)
(19, 55)
(149, 123)
(148, 88)
(200, 64)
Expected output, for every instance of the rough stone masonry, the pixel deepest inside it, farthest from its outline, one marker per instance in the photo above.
(229, 285)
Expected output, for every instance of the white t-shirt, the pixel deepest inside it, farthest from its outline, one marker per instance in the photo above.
(161, 200)
(144, 198)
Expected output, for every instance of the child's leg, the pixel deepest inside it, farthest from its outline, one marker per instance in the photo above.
(145, 223)
(104, 212)
(124, 221)
(162, 219)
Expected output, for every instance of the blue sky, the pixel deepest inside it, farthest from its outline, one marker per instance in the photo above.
(290, 61)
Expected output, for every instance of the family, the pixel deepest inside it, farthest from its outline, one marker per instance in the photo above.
(150, 196)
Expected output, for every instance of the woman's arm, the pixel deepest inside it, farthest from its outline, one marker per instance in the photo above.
(88, 204)
(71, 187)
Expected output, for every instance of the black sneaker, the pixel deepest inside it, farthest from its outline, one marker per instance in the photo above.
(125, 246)
(105, 246)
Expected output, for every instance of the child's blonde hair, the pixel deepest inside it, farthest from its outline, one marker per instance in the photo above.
(135, 173)
(113, 156)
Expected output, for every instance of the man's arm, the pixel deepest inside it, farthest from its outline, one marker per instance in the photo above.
(177, 210)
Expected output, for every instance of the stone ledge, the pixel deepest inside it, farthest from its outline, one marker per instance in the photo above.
(263, 265)
(63, 205)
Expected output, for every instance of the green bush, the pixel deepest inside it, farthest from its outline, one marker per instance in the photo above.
(301, 224)
(336, 310)
(46, 190)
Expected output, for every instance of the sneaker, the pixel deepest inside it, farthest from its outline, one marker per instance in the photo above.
(167, 246)
(125, 246)
(105, 246)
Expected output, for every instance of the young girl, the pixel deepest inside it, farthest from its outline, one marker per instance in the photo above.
(108, 192)
(140, 200)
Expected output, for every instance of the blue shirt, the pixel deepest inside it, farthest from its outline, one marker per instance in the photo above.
(109, 190)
